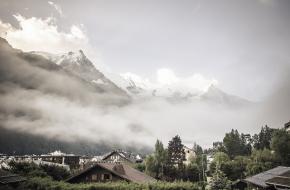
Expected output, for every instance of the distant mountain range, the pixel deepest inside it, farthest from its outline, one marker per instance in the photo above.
(78, 64)
(72, 76)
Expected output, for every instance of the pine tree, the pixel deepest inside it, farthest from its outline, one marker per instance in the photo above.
(219, 181)
(175, 158)
(160, 159)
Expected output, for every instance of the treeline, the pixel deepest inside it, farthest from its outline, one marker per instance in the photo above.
(238, 155)
(169, 164)
(241, 155)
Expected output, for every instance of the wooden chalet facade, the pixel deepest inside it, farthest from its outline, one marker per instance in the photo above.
(110, 172)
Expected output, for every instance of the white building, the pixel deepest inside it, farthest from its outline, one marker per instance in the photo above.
(189, 155)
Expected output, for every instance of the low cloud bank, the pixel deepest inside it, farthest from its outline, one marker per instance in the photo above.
(38, 97)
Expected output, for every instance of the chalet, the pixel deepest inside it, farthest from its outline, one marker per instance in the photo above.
(189, 155)
(122, 156)
(276, 178)
(110, 172)
(9, 179)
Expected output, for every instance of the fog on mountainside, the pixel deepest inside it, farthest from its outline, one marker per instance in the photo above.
(68, 100)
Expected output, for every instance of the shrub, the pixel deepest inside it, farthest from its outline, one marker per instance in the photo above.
(56, 172)
(48, 184)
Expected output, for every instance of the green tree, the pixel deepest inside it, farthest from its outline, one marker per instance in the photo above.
(155, 163)
(150, 165)
(219, 159)
(218, 147)
(56, 172)
(160, 156)
(235, 169)
(197, 149)
(263, 139)
(219, 181)
(33, 170)
(261, 160)
(175, 157)
(27, 169)
(281, 145)
(236, 144)
(192, 172)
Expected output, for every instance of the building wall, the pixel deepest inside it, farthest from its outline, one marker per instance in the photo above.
(189, 154)
(72, 161)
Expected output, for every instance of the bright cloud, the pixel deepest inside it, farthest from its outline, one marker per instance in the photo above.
(196, 81)
(167, 81)
(37, 34)
(166, 77)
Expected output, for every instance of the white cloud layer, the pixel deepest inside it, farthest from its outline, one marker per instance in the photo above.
(166, 81)
(37, 34)
(156, 118)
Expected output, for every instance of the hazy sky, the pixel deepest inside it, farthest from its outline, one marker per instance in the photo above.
(244, 44)
(241, 46)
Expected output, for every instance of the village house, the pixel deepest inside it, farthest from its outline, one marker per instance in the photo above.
(189, 155)
(110, 172)
(274, 179)
(68, 161)
(122, 156)
(73, 161)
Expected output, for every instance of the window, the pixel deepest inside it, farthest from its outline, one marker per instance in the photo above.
(94, 177)
(107, 177)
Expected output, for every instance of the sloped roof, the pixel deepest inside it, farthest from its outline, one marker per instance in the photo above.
(261, 178)
(122, 170)
(7, 177)
(120, 153)
(281, 180)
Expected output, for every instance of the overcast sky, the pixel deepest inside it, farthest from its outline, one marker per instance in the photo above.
(244, 45)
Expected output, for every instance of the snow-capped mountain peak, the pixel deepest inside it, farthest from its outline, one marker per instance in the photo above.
(77, 57)
(78, 64)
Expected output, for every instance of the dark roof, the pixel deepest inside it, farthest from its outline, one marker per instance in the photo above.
(281, 180)
(8, 178)
(261, 178)
(122, 170)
